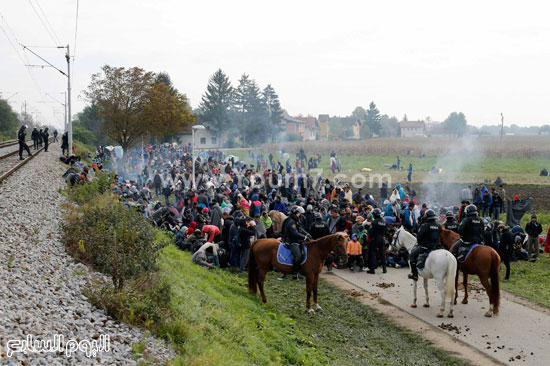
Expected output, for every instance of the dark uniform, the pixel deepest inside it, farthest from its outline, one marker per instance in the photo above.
(377, 233)
(45, 137)
(471, 229)
(450, 224)
(428, 240)
(506, 248)
(65, 143)
(318, 229)
(21, 135)
(34, 137)
(294, 236)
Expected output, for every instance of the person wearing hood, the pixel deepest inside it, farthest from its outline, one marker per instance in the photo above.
(268, 223)
(278, 205)
(216, 218)
(409, 217)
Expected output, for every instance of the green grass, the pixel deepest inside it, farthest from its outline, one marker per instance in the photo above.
(529, 280)
(511, 170)
(217, 322)
(83, 150)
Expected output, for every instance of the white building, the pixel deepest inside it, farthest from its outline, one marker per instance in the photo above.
(204, 139)
(412, 128)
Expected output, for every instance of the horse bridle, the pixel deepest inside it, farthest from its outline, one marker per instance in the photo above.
(396, 237)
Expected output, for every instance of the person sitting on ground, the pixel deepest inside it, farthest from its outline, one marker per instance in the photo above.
(206, 255)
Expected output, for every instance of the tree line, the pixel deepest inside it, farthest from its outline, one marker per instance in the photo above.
(245, 109)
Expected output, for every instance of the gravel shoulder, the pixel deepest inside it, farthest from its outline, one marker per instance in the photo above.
(41, 285)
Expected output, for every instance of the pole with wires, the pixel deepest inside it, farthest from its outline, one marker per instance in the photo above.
(69, 123)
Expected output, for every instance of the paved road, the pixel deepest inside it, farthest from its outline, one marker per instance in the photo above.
(518, 331)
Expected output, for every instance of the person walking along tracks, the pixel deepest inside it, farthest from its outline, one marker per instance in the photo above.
(21, 135)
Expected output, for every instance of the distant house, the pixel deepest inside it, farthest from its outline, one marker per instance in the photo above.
(204, 139)
(312, 129)
(352, 123)
(323, 126)
(412, 128)
(293, 125)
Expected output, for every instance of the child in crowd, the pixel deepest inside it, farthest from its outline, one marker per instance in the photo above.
(354, 252)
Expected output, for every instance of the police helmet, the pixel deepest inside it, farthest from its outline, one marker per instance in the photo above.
(377, 213)
(449, 214)
(317, 216)
(197, 232)
(294, 210)
(471, 210)
(429, 214)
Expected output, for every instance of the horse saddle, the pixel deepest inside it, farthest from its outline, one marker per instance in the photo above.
(421, 261)
(284, 255)
(464, 250)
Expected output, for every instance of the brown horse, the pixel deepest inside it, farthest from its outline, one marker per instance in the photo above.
(263, 256)
(484, 262)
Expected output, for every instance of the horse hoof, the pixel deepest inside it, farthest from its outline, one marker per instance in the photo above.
(413, 306)
(455, 302)
(464, 301)
(426, 305)
(488, 314)
(310, 311)
(450, 315)
(439, 315)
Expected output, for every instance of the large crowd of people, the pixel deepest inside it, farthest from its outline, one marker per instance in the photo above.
(229, 204)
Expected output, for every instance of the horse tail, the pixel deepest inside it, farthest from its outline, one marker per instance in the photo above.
(451, 274)
(495, 282)
(252, 270)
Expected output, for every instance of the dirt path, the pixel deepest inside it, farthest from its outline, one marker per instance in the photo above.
(520, 334)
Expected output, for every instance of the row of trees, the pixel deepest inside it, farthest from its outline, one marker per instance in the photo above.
(245, 109)
(128, 104)
(9, 121)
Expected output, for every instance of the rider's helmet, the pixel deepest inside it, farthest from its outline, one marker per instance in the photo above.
(294, 210)
(429, 214)
(471, 210)
(377, 213)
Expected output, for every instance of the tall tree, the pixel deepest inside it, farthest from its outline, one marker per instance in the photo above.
(133, 105)
(164, 78)
(251, 117)
(390, 126)
(8, 120)
(359, 112)
(456, 123)
(89, 120)
(373, 119)
(274, 110)
(217, 102)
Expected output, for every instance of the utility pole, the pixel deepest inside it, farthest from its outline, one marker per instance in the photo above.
(69, 123)
(502, 125)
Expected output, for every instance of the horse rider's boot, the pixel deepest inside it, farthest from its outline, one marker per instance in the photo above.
(282, 277)
(414, 272)
(296, 269)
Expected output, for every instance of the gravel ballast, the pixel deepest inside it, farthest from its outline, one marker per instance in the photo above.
(41, 285)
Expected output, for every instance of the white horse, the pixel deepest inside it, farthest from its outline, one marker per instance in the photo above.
(440, 265)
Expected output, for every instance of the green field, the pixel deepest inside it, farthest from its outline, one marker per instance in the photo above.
(221, 324)
(471, 170)
(529, 280)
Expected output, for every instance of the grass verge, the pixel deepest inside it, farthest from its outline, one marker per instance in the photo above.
(529, 280)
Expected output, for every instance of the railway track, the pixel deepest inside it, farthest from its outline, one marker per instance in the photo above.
(9, 161)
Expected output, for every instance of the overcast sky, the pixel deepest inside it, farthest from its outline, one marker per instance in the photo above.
(420, 58)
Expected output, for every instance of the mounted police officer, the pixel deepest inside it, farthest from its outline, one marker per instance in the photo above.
(428, 240)
(450, 224)
(471, 229)
(377, 233)
(295, 235)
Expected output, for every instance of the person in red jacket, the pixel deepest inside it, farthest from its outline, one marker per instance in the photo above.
(212, 232)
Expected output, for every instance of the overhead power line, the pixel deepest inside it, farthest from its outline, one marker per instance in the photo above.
(52, 36)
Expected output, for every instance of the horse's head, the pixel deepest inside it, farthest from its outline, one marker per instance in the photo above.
(341, 243)
(396, 243)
